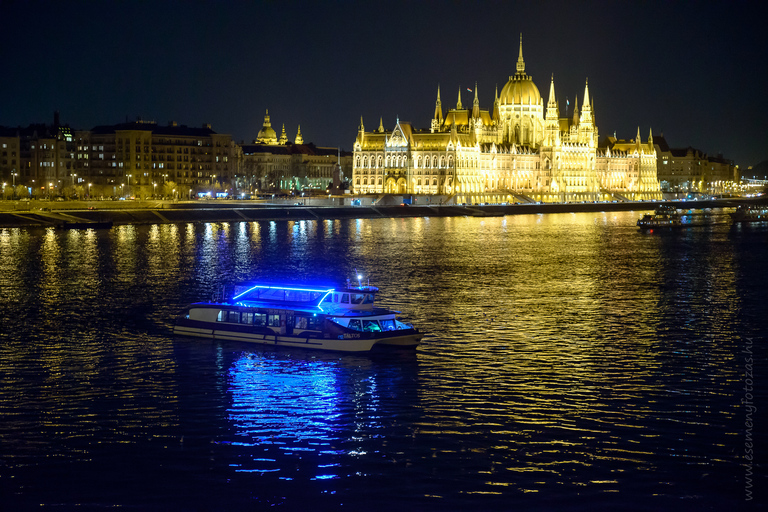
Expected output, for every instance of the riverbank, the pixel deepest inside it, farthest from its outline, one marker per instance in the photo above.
(51, 214)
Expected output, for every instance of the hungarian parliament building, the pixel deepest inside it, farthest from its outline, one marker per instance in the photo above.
(520, 149)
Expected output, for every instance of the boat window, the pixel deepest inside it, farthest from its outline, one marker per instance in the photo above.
(345, 298)
(371, 326)
(246, 318)
(388, 325)
(355, 324)
(335, 297)
(357, 298)
(222, 316)
(234, 317)
(273, 320)
(301, 322)
(368, 298)
(314, 323)
(259, 319)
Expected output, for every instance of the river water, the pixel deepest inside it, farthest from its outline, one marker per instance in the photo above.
(571, 362)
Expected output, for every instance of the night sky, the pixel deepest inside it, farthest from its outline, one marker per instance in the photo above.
(695, 71)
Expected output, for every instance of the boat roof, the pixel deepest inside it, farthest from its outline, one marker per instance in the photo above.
(292, 293)
(325, 309)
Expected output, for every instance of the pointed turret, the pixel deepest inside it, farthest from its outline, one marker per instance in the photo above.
(299, 139)
(381, 125)
(551, 123)
(361, 132)
(438, 108)
(576, 109)
(586, 109)
(458, 104)
(650, 136)
(586, 95)
(476, 105)
(283, 137)
(496, 115)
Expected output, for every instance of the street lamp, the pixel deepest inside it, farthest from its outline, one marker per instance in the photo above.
(154, 185)
(89, 191)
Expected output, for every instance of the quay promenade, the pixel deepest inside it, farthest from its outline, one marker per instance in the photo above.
(53, 213)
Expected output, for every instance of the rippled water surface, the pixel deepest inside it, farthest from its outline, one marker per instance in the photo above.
(571, 363)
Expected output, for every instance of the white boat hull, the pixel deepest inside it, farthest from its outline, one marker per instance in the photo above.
(342, 345)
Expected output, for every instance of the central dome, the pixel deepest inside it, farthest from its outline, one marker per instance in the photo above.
(520, 90)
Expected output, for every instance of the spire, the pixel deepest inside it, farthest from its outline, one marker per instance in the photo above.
(520, 61)
(552, 91)
(637, 139)
(650, 136)
(438, 107)
(586, 96)
(496, 104)
(576, 109)
(476, 105)
(283, 137)
(299, 139)
(458, 105)
(381, 125)
(552, 110)
(362, 127)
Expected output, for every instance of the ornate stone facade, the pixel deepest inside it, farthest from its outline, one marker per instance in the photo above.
(519, 150)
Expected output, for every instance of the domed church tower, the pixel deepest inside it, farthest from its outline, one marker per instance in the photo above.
(267, 134)
(521, 109)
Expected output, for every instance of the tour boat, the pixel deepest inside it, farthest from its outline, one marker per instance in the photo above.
(323, 318)
(752, 213)
(660, 220)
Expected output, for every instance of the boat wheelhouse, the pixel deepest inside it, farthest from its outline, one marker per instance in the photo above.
(324, 318)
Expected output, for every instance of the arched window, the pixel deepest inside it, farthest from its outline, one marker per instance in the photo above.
(434, 161)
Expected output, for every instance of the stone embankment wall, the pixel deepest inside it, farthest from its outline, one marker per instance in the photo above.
(47, 214)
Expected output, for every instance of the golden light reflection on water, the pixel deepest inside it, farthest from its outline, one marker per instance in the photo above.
(563, 351)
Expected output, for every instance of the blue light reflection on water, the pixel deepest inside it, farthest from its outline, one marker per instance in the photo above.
(322, 410)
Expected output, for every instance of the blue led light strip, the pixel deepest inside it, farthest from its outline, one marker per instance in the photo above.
(327, 290)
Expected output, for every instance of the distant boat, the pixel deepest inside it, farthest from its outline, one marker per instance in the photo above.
(665, 217)
(751, 213)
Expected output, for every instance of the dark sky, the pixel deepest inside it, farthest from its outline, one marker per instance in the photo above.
(698, 71)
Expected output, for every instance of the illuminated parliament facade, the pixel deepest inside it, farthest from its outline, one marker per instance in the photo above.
(520, 150)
